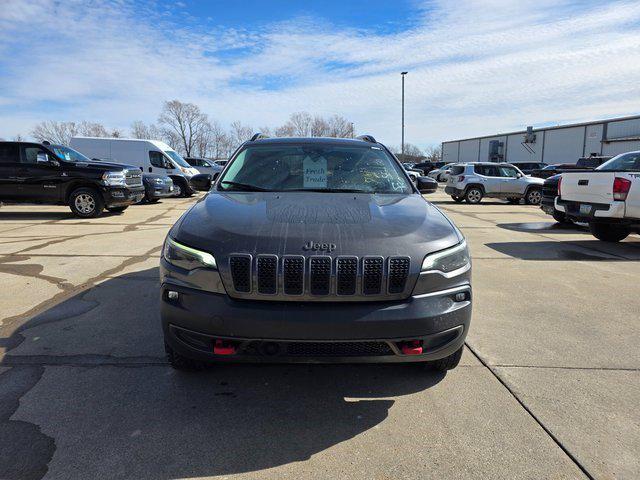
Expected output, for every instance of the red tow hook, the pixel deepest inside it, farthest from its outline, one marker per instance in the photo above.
(411, 347)
(222, 347)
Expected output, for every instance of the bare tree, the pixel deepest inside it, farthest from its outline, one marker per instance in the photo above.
(183, 121)
(434, 154)
(221, 144)
(319, 127)
(92, 129)
(240, 133)
(55, 132)
(143, 131)
(340, 127)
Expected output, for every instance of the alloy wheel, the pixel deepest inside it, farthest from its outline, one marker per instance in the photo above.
(85, 203)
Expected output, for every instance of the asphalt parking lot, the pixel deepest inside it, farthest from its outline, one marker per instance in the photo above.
(549, 385)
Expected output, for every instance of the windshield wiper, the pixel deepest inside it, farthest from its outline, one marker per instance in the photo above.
(329, 190)
(245, 187)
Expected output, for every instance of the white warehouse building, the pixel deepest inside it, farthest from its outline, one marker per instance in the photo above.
(561, 144)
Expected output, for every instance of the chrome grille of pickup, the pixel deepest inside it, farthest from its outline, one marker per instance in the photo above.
(398, 273)
(372, 271)
(320, 275)
(293, 275)
(240, 266)
(133, 178)
(346, 275)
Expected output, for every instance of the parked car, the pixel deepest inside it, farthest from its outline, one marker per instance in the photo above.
(151, 156)
(548, 200)
(529, 167)
(414, 173)
(474, 181)
(607, 198)
(426, 167)
(204, 165)
(156, 187)
(583, 164)
(440, 174)
(291, 231)
(58, 175)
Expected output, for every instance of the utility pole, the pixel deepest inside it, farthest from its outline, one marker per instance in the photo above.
(402, 147)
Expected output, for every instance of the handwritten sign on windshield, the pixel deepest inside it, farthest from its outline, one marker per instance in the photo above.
(315, 172)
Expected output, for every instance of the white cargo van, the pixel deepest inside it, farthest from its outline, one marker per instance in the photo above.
(152, 156)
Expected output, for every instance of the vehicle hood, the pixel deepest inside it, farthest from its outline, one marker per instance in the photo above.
(100, 166)
(282, 223)
(535, 180)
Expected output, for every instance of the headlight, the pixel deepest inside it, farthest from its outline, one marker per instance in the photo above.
(114, 179)
(186, 257)
(159, 180)
(448, 260)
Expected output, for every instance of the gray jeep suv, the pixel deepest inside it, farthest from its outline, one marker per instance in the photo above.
(316, 250)
(473, 181)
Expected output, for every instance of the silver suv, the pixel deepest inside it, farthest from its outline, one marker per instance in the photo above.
(473, 181)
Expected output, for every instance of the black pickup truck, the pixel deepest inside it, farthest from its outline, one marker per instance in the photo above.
(59, 175)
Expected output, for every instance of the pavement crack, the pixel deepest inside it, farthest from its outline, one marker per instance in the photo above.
(551, 435)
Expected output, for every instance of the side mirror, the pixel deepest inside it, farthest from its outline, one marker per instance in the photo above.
(519, 175)
(201, 182)
(427, 185)
(42, 158)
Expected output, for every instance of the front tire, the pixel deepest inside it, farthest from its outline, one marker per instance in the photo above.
(608, 232)
(447, 363)
(534, 195)
(473, 195)
(86, 202)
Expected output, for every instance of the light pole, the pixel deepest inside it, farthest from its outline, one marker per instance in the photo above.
(402, 147)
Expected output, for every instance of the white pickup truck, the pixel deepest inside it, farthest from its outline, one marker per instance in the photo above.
(607, 198)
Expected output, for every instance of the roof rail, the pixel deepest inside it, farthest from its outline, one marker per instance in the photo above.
(367, 138)
(258, 136)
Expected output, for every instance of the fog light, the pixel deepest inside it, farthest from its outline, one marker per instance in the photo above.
(460, 297)
(171, 295)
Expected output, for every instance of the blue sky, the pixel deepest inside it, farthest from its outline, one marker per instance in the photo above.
(475, 67)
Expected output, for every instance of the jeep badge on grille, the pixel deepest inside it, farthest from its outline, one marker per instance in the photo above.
(325, 247)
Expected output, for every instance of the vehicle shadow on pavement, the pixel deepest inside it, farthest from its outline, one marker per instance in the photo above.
(57, 215)
(545, 227)
(584, 250)
(86, 393)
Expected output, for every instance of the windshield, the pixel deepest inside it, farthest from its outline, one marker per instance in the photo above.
(307, 167)
(627, 162)
(69, 154)
(177, 158)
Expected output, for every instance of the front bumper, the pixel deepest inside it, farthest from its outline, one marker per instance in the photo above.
(121, 196)
(315, 332)
(159, 191)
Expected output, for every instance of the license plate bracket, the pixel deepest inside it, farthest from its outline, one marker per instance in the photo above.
(585, 209)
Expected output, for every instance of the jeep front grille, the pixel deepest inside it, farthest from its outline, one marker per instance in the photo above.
(318, 276)
(398, 273)
(293, 275)
(372, 271)
(346, 275)
(240, 266)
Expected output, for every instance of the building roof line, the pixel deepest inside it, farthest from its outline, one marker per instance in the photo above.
(555, 127)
